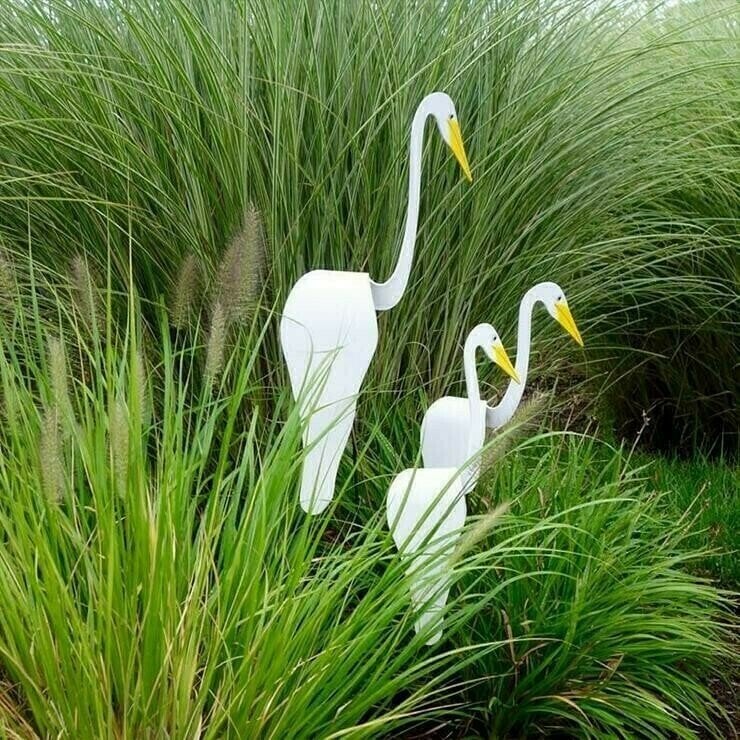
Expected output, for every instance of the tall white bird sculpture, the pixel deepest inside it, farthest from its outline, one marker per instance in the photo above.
(426, 507)
(329, 331)
(444, 430)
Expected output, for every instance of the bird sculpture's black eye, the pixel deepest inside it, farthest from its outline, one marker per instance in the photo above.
(452, 115)
(560, 298)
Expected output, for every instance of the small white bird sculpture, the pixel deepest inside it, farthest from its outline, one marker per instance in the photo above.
(426, 507)
(329, 330)
(444, 430)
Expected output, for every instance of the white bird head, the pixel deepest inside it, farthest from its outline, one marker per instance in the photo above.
(487, 337)
(440, 105)
(553, 297)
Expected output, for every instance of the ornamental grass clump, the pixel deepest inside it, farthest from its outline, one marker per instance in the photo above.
(164, 580)
(237, 288)
(602, 139)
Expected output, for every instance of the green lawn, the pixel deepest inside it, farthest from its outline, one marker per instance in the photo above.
(708, 493)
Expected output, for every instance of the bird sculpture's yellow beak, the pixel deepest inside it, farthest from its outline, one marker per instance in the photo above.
(458, 148)
(566, 320)
(502, 360)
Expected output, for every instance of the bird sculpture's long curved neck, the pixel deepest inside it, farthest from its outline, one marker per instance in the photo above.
(473, 390)
(386, 295)
(497, 416)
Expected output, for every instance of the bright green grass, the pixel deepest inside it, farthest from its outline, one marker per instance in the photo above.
(709, 493)
(594, 607)
(164, 581)
(162, 578)
(603, 141)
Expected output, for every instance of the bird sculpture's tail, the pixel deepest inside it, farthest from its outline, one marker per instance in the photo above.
(325, 438)
(318, 479)
(429, 597)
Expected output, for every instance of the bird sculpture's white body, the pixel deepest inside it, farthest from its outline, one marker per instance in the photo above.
(444, 430)
(329, 331)
(426, 507)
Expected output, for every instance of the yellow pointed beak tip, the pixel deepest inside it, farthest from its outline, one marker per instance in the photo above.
(503, 361)
(458, 149)
(572, 329)
(566, 320)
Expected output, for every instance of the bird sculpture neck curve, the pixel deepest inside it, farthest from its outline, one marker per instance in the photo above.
(386, 295)
(497, 416)
(472, 344)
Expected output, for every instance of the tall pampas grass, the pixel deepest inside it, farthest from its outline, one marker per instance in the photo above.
(85, 294)
(51, 462)
(185, 299)
(216, 342)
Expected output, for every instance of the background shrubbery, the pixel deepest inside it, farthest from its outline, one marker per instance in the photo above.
(162, 580)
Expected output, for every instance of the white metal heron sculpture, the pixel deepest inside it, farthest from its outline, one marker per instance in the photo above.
(426, 507)
(446, 424)
(329, 330)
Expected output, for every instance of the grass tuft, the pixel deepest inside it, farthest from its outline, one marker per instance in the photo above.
(51, 462)
(186, 293)
(216, 344)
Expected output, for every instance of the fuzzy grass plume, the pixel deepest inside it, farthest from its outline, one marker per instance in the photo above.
(85, 296)
(58, 374)
(50, 452)
(119, 444)
(186, 298)
(239, 281)
(216, 342)
(8, 287)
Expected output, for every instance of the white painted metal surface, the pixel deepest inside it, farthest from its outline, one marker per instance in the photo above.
(426, 507)
(445, 424)
(329, 331)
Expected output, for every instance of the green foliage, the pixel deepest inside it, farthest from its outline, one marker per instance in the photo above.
(165, 582)
(594, 600)
(603, 141)
(707, 492)
(156, 574)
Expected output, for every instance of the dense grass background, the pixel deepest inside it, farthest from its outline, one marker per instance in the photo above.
(603, 139)
(162, 581)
